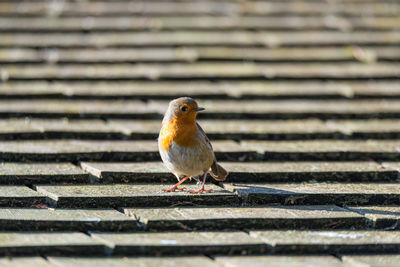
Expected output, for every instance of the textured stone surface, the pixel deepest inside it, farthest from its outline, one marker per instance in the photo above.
(216, 109)
(382, 217)
(326, 149)
(190, 261)
(226, 218)
(24, 261)
(64, 243)
(17, 126)
(19, 129)
(249, 171)
(318, 193)
(182, 243)
(204, 89)
(73, 150)
(78, 146)
(314, 242)
(196, 8)
(294, 109)
(19, 173)
(61, 128)
(123, 55)
(209, 22)
(392, 166)
(311, 89)
(227, 150)
(372, 260)
(201, 70)
(135, 195)
(75, 108)
(305, 171)
(264, 126)
(188, 38)
(117, 89)
(111, 150)
(224, 129)
(367, 128)
(279, 261)
(20, 196)
(146, 172)
(216, 129)
(22, 219)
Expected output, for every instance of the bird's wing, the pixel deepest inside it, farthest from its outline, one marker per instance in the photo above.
(205, 137)
(217, 171)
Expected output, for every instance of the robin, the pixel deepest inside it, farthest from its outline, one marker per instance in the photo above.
(184, 147)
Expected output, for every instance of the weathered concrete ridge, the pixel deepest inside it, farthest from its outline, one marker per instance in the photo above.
(182, 243)
(135, 195)
(234, 218)
(23, 219)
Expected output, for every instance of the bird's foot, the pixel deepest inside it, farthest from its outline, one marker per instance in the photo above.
(200, 191)
(173, 189)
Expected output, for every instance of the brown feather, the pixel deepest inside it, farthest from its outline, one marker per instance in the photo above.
(218, 172)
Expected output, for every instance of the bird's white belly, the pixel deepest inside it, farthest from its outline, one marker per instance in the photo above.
(187, 161)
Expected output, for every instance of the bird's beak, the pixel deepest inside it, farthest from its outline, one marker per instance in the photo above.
(199, 109)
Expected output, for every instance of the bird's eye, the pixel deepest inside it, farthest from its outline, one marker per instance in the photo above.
(183, 108)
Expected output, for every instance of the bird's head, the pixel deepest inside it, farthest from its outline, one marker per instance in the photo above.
(183, 109)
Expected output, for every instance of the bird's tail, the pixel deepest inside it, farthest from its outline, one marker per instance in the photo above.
(218, 172)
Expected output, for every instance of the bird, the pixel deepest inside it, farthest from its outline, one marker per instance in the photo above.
(184, 147)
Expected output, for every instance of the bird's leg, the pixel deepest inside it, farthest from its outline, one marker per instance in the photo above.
(201, 190)
(197, 180)
(175, 187)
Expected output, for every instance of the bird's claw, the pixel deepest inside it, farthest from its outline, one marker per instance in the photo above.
(172, 189)
(200, 191)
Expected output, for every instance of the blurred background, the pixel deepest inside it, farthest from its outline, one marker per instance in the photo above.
(266, 49)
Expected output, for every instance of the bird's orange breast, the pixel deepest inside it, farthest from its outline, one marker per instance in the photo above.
(182, 133)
